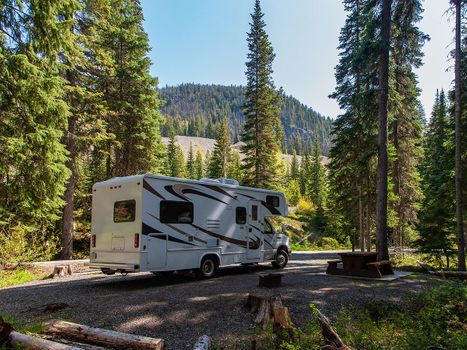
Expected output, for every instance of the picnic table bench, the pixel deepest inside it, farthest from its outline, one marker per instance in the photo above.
(361, 264)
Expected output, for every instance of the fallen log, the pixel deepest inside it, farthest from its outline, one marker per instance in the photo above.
(103, 337)
(27, 342)
(203, 343)
(332, 339)
(445, 274)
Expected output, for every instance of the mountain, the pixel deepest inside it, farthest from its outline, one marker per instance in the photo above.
(196, 110)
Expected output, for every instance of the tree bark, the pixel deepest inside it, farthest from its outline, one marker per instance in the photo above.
(68, 210)
(382, 173)
(458, 91)
(27, 342)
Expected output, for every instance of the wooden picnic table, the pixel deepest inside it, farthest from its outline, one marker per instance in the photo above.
(362, 264)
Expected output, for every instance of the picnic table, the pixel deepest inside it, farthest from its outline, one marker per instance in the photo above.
(361, 264)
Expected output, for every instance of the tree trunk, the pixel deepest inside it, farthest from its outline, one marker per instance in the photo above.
(360, 219)
(382, 173)
(459, 199)
(27, 342)
(68, 209)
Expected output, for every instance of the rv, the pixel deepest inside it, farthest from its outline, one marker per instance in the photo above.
(163, 224)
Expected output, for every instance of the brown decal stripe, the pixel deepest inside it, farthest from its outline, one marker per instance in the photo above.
(178, 230)
(220, 190)
(238, 242)
(148, 187)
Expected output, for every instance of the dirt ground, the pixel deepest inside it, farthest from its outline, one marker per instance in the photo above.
(181, 308)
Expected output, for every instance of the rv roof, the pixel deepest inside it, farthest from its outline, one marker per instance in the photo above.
(117, 180)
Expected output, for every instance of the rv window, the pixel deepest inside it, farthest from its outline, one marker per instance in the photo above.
(254, 212)
(174, 212)
(267, 228)
(272, 201)
(124, 211)
(240, 215)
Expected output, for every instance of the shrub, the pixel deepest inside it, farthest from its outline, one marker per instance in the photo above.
(328, 243)
(305, 207)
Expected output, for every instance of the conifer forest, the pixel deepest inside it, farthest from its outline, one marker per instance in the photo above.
(78, 105)
(81, 103)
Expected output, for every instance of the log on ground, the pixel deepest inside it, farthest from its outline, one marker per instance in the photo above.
(103, 337)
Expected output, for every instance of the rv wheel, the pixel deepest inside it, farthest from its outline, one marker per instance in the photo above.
(208, 267)
(282, 258)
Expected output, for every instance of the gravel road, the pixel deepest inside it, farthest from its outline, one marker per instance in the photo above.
(181, 308)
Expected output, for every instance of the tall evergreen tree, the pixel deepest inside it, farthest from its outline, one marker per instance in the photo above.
(130, 92)
(317, 182)
(199, 173)
(294, 167)
(262, 133)
(33, 116)
(405, 126)
(382, 170)
(190, 164)
(221, 155)
(86, 124)
(437, 233)
(458, 137)
(235, 168)
(352, 167)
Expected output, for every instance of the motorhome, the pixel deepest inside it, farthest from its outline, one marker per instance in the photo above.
(163, 224)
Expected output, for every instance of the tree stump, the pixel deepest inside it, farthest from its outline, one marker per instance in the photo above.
(61, 271)
(264, 307)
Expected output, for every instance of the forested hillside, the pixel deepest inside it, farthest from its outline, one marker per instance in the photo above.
(196, 110)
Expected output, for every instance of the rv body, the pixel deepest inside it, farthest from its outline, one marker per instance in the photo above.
(162, 224)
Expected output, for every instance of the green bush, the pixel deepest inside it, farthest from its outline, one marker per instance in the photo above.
(328, 243)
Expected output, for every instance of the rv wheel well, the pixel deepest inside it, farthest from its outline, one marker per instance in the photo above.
(215, 257)
(282, 247)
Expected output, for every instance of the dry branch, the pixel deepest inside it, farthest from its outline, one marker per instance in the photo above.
(329, 334)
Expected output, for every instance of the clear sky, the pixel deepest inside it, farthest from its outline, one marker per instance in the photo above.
(204, 41)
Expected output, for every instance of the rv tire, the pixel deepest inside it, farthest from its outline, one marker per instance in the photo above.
(208, 267)
(281, 260)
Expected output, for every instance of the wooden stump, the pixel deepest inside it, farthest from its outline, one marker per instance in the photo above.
(61, 271)
(103, 337)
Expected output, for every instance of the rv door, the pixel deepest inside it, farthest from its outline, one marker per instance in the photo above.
(254, 233)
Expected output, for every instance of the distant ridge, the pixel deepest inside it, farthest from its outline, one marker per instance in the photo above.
(195, 110)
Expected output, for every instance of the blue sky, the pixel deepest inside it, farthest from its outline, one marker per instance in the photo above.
(204, 41)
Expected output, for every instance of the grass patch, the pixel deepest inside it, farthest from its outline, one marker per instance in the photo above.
(432, 320)
(19, 276)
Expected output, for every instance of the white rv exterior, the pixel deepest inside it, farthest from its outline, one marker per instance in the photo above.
(163, 224)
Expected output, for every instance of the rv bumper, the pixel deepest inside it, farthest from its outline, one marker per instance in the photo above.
(113, 266)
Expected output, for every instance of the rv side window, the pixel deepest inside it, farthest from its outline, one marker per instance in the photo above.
(240, 215)
(124, 211)
(174, 212)
(254, 212)
(272, 201)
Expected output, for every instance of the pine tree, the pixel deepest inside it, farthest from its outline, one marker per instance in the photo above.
(172, 157)
(190, 164)
(405, 127)
(458, 136)
(221, 155)
(261, 108)
(437, 233)
(317, 182)
(86, 124)
(207, 161)
(130, 93)
(294, 168)
(353, 159)
(199, 173)
(33, 116)
(179, 163)
(235, 168)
